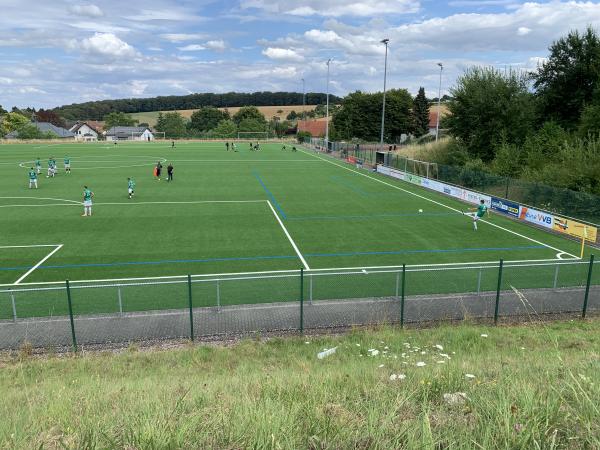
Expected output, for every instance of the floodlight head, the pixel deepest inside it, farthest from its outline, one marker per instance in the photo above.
(441, 65)
(385, 41)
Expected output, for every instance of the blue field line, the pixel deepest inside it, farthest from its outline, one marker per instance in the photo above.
(406, 252)
(371, 216)
(258, 258)
(271, 196)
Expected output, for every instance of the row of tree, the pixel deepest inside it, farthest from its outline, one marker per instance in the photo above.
(213, 121)
(97, 110)
(542, 126)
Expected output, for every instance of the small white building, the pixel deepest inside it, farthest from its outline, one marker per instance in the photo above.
(84, 132)
(129, 134)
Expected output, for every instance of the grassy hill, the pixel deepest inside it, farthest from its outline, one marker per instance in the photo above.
(534, 386)
(268, 111)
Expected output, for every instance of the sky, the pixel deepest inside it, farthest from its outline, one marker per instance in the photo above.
(68, 51)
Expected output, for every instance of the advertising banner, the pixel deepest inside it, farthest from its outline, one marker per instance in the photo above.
(414, 179)
(476, 197)
(573, 228)
(433, 185)
(505, 207)
(536, 217)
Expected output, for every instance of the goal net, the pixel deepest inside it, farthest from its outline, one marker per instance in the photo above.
(254, 135)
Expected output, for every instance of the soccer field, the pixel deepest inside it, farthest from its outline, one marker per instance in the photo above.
(229, 212)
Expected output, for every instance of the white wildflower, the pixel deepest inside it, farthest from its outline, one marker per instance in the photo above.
(421, 364)
(469, 375)
(439, 347)
(484, 335)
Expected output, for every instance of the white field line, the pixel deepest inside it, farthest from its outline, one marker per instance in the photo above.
(199, 202)
(58, 247)
(437, 203)
(42, 198)
(294, 272)
(29, 246)
(289, 237)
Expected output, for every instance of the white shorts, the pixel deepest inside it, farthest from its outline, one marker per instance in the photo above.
(67, 166)
(33, 182)
(130, 190)
(87, 203)
(476, 217)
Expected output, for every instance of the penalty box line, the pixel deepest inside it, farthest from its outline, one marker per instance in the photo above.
(559, 251)
(304, 263)
(57, 247)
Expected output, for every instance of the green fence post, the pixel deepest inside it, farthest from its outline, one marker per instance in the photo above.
(302, 300)
(191, 306)
(402, 296)
(71, 316)
(587, 287)
(498, 291)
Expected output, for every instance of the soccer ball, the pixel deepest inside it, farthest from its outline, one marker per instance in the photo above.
(420, 210)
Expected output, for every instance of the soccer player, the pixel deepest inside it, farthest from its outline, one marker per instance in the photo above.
(51, 167)
(478, 213)
(283, 147)
(227, 146)
(234, 147)
(38, 165)
(32, 178)
(130, 187)
(87, 201)
(158, 170)
(67, 164)
(251, 147)
(294, 149)
(172, 144)
(170, 172)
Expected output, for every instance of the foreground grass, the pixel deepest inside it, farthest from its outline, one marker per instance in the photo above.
(535, 386)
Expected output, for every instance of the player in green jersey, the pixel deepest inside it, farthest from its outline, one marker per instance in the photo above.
(38, 165)
(67, 164)
(51, 167)
(32, 178)
(87, 201)
(130, 187)
(478, 213)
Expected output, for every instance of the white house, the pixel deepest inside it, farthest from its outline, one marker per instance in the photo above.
(129, 134)
(84, 132)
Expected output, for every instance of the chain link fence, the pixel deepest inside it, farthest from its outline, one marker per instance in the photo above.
(83, 313)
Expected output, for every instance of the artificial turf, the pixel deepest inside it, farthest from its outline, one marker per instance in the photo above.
(220, 215)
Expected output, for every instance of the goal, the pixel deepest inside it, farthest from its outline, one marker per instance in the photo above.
(254, 135)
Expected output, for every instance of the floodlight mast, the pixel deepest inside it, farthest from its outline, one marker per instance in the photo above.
(437, 125)
(303, 99)
(327, 108)
(385, 42)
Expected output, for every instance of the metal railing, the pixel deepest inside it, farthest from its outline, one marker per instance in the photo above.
(75, 313)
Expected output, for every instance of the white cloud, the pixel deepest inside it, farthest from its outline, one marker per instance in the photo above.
(523, 31)
(107, 45)
(182, 37)
(192, 48)
(138, 87)
(31, 90)
(86, 10)
(333, 8)
(6, 80)
(217, 45)
(283, 54)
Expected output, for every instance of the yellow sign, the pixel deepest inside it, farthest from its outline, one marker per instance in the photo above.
(577, 229)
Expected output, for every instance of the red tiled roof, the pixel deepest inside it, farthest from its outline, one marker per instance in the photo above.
(316, 128)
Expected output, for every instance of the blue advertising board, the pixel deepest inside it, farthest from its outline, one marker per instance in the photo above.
(505, 207)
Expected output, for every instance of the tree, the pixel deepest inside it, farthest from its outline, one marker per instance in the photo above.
(207, 118)
(50, 117)
(252, 125)
(172, 124)
(13, 121)
(225, 128)
(249, 112)
(118, 119)
(490, 107)
(360, 116)
(566, 82)
(420, 114)
(590, 121)
(293, 115)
